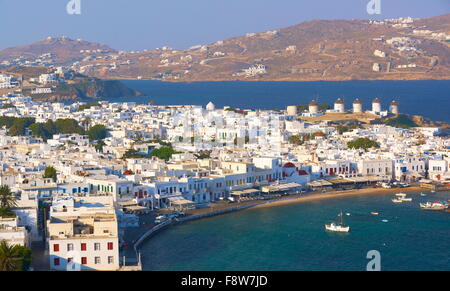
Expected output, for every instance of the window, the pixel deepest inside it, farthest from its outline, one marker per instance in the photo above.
(83, 260)
(69, 260)
(83, 246)
(110, 260)
(56, 247)
(56, 261)
(69, 247)
(97, 260)
(110, 246)
(97, 246)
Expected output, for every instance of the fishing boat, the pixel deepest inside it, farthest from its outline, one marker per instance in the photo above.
(338, 226)
(400, 198)
(434, 206)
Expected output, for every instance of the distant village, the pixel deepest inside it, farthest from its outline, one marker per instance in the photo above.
(78, 175)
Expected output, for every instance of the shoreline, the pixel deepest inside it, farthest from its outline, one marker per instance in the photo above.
(340, 194)
(238, 207)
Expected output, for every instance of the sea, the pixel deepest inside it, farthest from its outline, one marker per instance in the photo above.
(430, 99)
(292, 237)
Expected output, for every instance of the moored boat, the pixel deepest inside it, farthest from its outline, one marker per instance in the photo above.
(338, 226)
(434, 206)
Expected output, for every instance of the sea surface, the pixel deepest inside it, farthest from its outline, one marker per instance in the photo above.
(292, 237)
(428, 98)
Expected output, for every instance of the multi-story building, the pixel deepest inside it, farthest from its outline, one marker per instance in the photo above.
(83, 235)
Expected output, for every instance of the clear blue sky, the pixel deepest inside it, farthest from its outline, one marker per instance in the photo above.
(140, 24)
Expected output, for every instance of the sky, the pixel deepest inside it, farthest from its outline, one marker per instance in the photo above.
(147, 24)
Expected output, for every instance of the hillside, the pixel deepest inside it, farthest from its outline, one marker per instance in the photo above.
(52, 50)
(76, 87)
(332, 50)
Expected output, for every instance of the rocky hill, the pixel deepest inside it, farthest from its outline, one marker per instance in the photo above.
(60, 50)
(333, 50)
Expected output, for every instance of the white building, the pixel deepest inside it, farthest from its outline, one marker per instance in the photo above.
(12, 233)
(83, 234)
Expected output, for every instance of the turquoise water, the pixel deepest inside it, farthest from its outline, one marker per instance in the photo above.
(428, 98)
(292, 237)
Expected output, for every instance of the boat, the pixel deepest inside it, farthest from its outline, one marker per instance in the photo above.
(434, 206)
(338, 226)
(374, 213)
(385, 220)
(401, 197)
(423, 195)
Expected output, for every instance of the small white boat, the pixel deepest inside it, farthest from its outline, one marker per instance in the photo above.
(385, 220)
(423, 195)
(374, 213)
(338, 227)
(401, 197)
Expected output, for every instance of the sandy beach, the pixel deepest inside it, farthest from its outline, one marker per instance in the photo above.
(340, 194)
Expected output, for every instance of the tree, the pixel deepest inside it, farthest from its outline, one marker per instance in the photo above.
(164, 152)
(7, 198)
(97, 132)
(19, 125)
(68, 126)
(99, 146)
(132, 154)
(6, 212)
(14, 257)
(401, 121)
(40, 130)
(50, 172)
(362, 143)
(296, 139)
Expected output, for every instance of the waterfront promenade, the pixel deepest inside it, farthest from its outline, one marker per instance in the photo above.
(139, 236)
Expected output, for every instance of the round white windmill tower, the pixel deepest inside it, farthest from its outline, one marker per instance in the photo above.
(376, 105)
(357, 106)
(394, 107)
(291, 110)
(339, 106)
(313, 107)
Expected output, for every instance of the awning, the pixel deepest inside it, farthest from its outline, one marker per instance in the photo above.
(245, 192)
(280, 187)
(320, 183)
(179, 201)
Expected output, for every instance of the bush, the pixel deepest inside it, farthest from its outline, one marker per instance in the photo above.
(362, 143)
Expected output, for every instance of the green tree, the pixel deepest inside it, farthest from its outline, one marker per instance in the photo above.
(296, 139)
(14, 257)
(6, 212)
(97, 132)
(83, 107)
(99, 146)
(132, 154)
(362, 143)
(19, 125)
(164, 152)
(50, 172)
(7, 198)
(401, 121)
(68, 126)
(40, 130)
